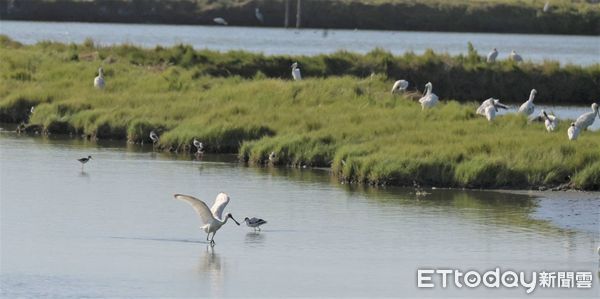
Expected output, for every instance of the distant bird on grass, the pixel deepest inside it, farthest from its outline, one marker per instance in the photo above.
(153, 137)
(489, 108)
(296, 72)
(587, 119)
(573, 132)
(492, 55)
(528, 107)
(430, 99)
(259, 15)
(84, 160)
(515, 57)
(99, 80)
(212, 219)
(550, 121)
(400, 86)
(220, 21)
(254, 222)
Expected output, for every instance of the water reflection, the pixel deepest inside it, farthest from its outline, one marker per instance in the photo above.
(212, 267)
(254, 238)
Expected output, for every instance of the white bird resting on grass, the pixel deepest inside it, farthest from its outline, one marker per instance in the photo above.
(296, 72)
(528, 107)
(492, 55)
(399, 86)
(550, 121)
(515, 57)
(99, 80)
(254, 222)
(587, 119)
(430, 99)
(573, 132)
(212, 219)
(489, 108)
(220, 21)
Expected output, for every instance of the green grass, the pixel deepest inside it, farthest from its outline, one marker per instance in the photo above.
(351, 124)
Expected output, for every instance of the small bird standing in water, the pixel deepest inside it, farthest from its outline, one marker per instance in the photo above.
(154, 138)
(199, 146)
(254, 222)
(83, 161)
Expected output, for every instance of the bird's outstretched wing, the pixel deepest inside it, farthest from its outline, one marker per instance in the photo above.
(220, 203)
(198, 205)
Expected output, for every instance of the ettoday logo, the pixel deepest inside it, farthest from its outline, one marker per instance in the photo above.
(507, 279)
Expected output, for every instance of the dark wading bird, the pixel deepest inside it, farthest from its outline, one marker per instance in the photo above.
(211, 219)
(84, 160)
(254, 222)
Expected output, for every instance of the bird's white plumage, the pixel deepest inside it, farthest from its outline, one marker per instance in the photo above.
(573, 132)
(491, 57)
(153, 137)
(515, 57)
(400, 86)
(99, 80)
(550, 121)
(491, 102)
(430, 99)
(220, 21)
(220, 203)
(259, 15)
(206, 216)
(296, 72)
(587, 119)
(528, 107)
(198, 145)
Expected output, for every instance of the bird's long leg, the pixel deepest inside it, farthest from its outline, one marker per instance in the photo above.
(207, 235)
(212, 240)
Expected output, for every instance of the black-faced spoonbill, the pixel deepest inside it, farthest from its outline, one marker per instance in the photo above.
(296, 72)
(400, 86)
(573, 132)
(430, 99)
(153, 137)
(515, 57)
(254, 222)
(211, 219)
(199, 146)
(489, 108)
(492, 55)
(99, 80)
(550, 121)
(528, 107)
(220, 21)
(259, 15)
(587, 119)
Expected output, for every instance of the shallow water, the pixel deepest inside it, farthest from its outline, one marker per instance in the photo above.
(114, 230)
(583, 50)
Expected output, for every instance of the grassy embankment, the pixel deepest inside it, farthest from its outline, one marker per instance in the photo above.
(564, 17)
(354, 125)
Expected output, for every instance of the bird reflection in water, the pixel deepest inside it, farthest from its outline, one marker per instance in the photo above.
(254, 238)
(212, 270)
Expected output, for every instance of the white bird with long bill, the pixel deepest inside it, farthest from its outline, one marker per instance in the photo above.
(99, 80)
(587, 119)
(573, 132)
(212, 219)
(550, 121)
(296, 72)
(430, 99)
(400, 86)
(528, 107)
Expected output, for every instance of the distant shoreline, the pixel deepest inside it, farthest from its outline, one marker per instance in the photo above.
(499, 16)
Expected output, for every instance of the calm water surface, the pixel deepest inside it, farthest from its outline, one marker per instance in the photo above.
(114, 230)
(583, 50)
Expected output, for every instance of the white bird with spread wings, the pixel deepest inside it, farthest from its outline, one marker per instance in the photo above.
(212, 219)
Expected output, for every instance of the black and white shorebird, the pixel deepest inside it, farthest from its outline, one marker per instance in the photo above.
(199, 146)
(153, 137)
(254, 222)
(84, 160)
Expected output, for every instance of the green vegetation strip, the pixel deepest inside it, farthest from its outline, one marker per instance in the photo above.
(353, 125)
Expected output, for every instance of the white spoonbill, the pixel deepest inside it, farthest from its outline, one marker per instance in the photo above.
(211, 219)
(492, 55)
(430, 99)
(550, 121)
(199, 146)
(254, 222)
(259, 15)
(489, 108)
(515, 57)
(573, 131)
(272, 157)
(220, 21)
(296, 72)
(546, 7)
(528, 107)
(153, 137)
(587, 119)
(99, 80)
(400, 86)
